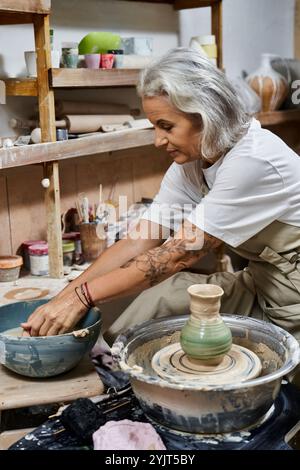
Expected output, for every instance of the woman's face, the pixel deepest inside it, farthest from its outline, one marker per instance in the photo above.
(175, 131)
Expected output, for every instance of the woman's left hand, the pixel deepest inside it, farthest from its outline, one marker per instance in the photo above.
(56, 317)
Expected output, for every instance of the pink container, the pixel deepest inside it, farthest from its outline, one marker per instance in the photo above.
(25, 247)
(39, 259)
(107, 61)
(92, 61)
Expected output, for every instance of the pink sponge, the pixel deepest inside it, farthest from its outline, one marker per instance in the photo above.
(127, 435)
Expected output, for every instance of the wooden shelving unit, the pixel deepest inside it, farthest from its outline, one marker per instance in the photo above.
(275, 118)
(92, 145)
(50, 152)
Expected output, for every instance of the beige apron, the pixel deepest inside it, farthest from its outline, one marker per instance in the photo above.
(268, 289)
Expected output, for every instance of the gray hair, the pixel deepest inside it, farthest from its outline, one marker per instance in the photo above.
(196, 87)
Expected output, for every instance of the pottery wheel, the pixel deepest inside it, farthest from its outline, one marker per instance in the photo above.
(238, 365)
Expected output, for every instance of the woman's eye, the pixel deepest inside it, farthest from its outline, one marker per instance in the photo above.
(166, 128)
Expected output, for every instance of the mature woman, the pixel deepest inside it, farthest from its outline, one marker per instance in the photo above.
(238, 184)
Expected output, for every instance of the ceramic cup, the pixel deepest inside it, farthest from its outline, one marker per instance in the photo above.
(30, 60)
(107, 61)
(55, 58)
(69, 55)
(92, 61)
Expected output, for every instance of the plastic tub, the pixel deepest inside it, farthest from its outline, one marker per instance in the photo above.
(39, 260)
(25, 247)
(68, 247)
(10, 268)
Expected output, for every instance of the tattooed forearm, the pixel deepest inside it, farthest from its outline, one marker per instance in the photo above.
(177, 254)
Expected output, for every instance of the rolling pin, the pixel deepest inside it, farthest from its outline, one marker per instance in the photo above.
(77, 123)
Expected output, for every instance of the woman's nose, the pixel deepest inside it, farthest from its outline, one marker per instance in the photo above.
(160, 139)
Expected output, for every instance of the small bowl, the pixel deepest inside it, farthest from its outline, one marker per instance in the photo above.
(10, 268)
(44, 356)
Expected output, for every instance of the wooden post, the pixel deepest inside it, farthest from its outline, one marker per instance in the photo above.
(47, 124)
(216, 29)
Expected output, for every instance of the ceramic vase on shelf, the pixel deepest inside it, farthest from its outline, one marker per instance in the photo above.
(205, 336)
(268, 84)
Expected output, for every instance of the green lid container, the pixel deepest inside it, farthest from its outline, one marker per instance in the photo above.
(68, 246)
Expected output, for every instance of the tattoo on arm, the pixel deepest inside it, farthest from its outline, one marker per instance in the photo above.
(159, 263)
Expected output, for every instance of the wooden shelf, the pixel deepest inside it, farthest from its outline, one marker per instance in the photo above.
(25, 6)
(92, 145)
(274, 118)
(21, 87)
(181, 4)
(74, 78)
(22, 11)
(89, 78)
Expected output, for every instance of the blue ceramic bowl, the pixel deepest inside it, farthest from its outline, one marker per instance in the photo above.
(44, 356)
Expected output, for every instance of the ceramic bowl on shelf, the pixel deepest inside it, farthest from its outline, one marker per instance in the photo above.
(44, 356)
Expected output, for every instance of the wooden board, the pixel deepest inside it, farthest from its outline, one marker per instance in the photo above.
(148, 171)
(5, 235)
(48, 130)
(21, 87)
(8, 438)
(55, 151)
(17, 391)
(182, 4)
(26, 6)
(272, 118)
(84, 78)
(179, 4)
(26, 210)
(15, 18)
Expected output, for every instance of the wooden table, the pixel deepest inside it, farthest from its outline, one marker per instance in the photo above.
(17, 391)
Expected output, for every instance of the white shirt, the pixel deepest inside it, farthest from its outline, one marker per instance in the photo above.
(254, 184)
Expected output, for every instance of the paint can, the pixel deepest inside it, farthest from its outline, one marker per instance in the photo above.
(39, 259)
(68, 248)
(25, 246)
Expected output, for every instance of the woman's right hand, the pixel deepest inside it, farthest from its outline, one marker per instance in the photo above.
(56, 317)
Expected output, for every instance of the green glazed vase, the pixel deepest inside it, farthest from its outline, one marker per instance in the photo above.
(205, 336)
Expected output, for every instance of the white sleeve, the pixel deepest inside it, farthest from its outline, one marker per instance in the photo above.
(247, 195)
(172, 204)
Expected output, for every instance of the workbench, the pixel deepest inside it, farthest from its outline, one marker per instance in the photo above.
(18, 391)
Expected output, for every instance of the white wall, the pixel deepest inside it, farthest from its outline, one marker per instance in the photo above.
(250, 28)
(73, 19)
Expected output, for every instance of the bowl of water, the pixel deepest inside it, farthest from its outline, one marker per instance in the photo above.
(43, 356)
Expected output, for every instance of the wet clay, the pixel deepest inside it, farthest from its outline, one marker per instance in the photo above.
(142, 356)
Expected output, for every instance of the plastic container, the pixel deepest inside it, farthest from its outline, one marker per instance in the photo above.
(69, 56)
(118, 57)
(10, 268)
(25, 247)
(75, 237)
(39, 259)
(68, 247)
